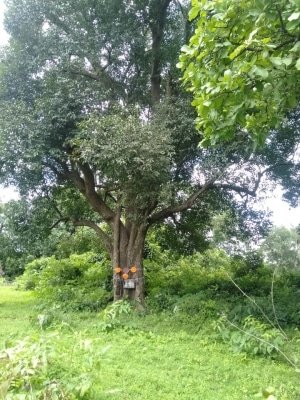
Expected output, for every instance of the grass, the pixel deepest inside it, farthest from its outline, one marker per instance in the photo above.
(16, 311)
(147, 357)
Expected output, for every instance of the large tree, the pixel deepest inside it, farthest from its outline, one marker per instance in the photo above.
(90, 102)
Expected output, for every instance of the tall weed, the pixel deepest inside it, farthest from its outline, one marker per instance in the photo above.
(34, 370)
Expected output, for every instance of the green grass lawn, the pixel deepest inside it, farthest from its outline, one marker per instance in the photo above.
(16, 311)
(148, 357)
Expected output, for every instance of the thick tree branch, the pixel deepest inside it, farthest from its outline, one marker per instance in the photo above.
(188, 203)
(105, 238)
(116, 238)
(187, 22)
(75, 177)
(182, 10)
(158, 14)
(58, 222)
(93, 197)
(283, 44)
(96, 201)
(58, 22)
(237, 189)
(245, 190)
(84, 72)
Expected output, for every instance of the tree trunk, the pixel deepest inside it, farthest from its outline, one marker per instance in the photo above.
(118, 287)
(128, 263)
(158, 14)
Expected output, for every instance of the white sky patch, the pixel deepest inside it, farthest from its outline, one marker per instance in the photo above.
(283, 214)
(7, 194)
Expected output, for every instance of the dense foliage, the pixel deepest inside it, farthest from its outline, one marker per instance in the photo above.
(27, 232)
(78, 282)
(242, 65)
(203, 285)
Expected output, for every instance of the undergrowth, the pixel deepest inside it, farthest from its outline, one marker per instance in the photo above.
(136, 356)
(208, 319)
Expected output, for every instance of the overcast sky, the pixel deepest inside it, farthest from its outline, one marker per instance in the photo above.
(282, 213)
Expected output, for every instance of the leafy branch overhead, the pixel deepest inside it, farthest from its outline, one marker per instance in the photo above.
(242, 65)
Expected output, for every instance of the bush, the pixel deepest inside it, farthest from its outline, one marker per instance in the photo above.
(188, 275)
(31, 276)
(78, 282)
(286, 296)
(253, 337)
(199, 303)
(163, 301)
(206, 284)
(198, 284)
(35, 369)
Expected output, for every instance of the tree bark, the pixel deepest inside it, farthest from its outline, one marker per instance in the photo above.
(158, 13)
(117, 283)
(128, 263)
(135, 259)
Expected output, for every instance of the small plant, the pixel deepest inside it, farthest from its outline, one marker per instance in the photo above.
(253, 337)
(2, 281)
(121, 307)
(33, 371)
(112, 313)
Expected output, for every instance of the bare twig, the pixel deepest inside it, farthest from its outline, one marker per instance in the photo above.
(258, 306)
(273, 304)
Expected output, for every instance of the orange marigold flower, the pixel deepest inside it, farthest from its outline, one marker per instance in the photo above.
(125, 276)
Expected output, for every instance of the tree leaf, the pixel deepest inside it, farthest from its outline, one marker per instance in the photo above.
(260, 72)
(193, 13)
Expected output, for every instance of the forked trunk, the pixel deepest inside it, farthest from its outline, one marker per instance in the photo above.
(128, 263)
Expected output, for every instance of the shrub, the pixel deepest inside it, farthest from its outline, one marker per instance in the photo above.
(34, 369)
(285, 301)
(111, 315)
(78, 282)
(253, 337)
(199, 303)
(192, 283)
(31, 276)
(188, 275)
(163, 301)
